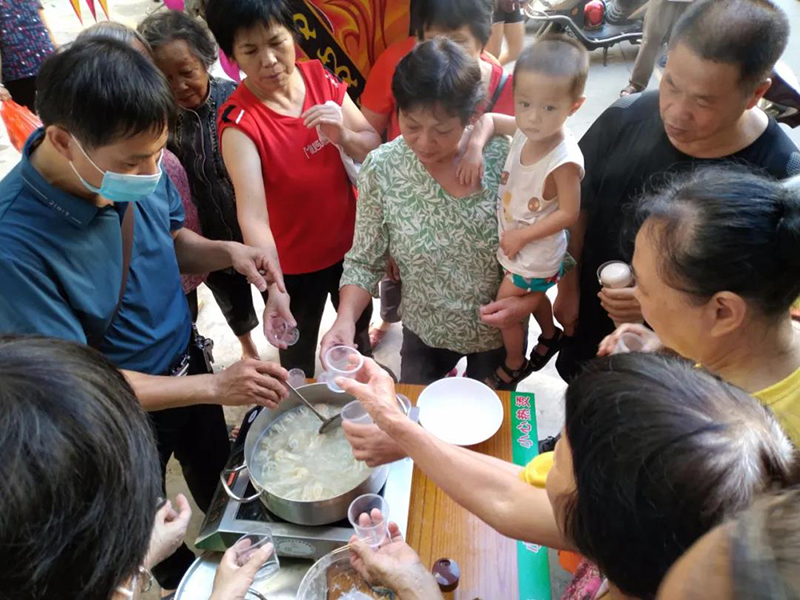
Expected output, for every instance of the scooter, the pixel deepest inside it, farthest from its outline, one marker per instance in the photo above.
(595, 23)
(782, 100)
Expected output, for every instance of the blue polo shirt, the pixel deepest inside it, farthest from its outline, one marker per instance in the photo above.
(61, 269)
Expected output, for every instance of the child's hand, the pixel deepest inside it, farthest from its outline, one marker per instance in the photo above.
(513, 241)
(470, 168)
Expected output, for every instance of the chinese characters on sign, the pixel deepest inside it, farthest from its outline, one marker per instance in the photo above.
(523, 414)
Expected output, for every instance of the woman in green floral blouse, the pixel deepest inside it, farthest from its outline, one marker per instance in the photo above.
(442, 234)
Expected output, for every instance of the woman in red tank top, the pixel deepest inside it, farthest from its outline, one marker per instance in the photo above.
(281, 133)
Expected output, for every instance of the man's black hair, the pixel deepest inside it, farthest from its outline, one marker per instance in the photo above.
(751, 34)
(102, 90)
(80, 473)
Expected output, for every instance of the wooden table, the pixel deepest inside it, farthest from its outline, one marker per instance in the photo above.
(440, 528)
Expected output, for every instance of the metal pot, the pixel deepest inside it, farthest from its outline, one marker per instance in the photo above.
(319, 512)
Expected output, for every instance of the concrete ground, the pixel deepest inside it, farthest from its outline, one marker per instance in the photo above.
(602, 89)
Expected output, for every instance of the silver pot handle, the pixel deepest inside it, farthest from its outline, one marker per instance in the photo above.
(255, 594)
(229, 491)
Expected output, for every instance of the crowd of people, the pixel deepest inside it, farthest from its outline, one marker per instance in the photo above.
(150, 175)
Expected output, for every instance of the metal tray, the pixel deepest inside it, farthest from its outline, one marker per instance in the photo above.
(198, 582)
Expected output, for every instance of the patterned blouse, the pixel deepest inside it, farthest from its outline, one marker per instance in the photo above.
(445, 247)
(24, 41)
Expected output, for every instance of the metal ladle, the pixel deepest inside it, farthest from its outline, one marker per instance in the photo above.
(327, 424)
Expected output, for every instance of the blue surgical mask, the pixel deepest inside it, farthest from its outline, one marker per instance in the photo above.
(119, 187)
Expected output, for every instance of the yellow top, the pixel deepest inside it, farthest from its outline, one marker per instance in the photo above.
(535, 472)
(783, 399)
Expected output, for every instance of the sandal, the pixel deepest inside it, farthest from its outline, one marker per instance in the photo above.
(631, 88)
(553, 344)
(515, 376)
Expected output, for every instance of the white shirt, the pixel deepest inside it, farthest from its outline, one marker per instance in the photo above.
(521, 204)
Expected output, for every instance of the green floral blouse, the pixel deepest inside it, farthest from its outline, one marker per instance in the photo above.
(445, 247)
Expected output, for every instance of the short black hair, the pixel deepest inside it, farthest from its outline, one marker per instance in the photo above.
(80, 472)
(728, 228)
(751, 34)
(226, 18)
(556, 56)
(162, 28)
(454, 14)
(662, 452)
(102, 90)
(438, 74)
(114, 31)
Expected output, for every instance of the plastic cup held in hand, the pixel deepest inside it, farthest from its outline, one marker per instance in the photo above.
(615, 275)
(340, 361)
(354, 412)
(283, 332)
(248, 544)
(628, 342)
(369, 516)
(297, 377)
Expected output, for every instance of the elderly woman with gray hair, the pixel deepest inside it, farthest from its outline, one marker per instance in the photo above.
(184, 50)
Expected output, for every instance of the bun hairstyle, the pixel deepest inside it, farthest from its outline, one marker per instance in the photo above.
(728, 229)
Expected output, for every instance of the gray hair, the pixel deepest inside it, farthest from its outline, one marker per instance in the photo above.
(115, 31)
(765, 548)
(163, 28)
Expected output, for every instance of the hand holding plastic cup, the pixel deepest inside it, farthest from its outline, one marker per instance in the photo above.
(340, 361)
(628, 342)
(283, 332)
(369, 516)
(615, 275)
(246, 545)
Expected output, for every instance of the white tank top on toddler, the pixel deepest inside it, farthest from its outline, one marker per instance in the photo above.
(521, 204)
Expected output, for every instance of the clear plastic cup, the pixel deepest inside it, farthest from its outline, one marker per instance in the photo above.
(356, 413)
(283, 332)
(249, 543)
(297, 377)
(369, 516)
(628, 342)
(340, 361)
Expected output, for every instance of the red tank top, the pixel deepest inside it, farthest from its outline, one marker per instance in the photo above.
(310, 201)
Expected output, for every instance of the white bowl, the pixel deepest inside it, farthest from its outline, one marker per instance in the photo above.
(460, 411)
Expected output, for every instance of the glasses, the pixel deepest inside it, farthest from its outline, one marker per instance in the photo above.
(147, 583)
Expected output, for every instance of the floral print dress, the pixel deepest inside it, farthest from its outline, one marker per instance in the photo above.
(444, 246)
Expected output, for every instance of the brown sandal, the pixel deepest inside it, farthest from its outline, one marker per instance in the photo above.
(631, 88)
(496, 382)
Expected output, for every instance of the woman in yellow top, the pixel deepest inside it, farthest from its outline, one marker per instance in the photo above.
(654, 454)
(717, 266)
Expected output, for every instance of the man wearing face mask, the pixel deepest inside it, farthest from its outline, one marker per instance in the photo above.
(92, 245)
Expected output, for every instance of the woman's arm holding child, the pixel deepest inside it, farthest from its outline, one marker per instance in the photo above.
(567, 180)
